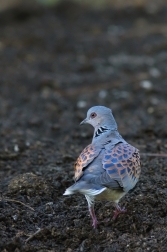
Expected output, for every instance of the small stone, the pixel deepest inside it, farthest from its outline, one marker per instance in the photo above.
(84, 134)
(150, 110)
(27, 144)
(81, 104)
(154, 72)
(16, 148)
(49, 203)
(102, 94)
(69, 250)
(146, 84)
(15, 217)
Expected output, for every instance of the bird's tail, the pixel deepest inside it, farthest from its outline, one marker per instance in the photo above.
(75, 188)
(68, 191)
(84, 188)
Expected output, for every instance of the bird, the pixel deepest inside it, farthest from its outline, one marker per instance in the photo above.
(108, 167)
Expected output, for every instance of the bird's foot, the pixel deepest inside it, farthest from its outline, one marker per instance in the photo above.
(93, 215)
(118, 211)
(94, 224)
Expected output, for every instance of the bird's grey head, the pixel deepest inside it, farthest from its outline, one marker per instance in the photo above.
(99, 116)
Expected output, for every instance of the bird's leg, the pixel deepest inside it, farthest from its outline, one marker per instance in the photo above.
(118, 211)
(93, 216)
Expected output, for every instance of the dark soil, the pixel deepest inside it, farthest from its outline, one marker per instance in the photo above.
(55, 64)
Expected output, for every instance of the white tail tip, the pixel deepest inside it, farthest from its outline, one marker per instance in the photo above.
(68, 192)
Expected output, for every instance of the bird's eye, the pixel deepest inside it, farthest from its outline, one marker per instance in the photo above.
(93, 115)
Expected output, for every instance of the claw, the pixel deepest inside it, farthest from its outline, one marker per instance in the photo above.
(94, 224)
(118, 211)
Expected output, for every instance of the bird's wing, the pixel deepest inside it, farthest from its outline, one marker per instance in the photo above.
(122, 165)
(84, 159)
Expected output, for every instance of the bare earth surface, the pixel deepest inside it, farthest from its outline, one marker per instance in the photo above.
(54, 65)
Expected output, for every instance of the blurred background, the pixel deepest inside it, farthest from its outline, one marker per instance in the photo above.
(79, 53)
(57, 59)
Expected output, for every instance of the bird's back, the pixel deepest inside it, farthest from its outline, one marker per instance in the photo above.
(117, 168)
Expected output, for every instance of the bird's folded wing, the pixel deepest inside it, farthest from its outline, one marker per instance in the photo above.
(122, 164)
(85, 158)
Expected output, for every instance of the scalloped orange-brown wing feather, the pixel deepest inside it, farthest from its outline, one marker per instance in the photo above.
(122, 163)
(85, 158)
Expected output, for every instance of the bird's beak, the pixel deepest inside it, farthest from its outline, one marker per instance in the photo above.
(84, 121)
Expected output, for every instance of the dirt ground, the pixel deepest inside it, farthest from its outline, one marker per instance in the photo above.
(54, 65)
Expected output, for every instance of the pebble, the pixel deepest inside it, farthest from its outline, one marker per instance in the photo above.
(15, 217)
(150, 110)
(146, 84)
(16, 148)
(102, 94)
(154, 72)
(81, 104)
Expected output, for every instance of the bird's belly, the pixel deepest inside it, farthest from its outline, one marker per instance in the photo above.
(111, 195)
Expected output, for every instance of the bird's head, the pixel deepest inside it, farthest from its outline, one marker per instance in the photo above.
(99, 116)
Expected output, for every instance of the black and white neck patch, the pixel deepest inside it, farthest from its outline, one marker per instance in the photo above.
(100, 131)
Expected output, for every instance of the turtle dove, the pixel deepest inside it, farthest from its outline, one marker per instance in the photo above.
(108, 167)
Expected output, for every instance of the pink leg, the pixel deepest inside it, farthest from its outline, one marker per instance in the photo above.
(93, 216)
(118, 211)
